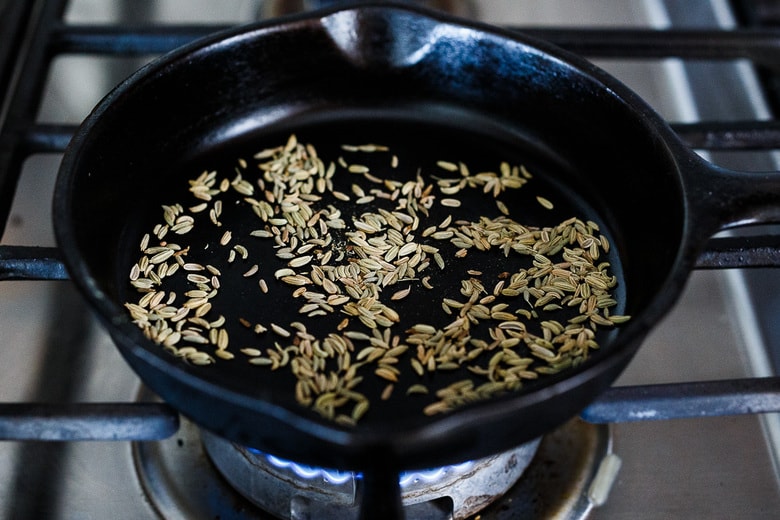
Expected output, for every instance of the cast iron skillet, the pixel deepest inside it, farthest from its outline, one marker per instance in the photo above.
(420, 80)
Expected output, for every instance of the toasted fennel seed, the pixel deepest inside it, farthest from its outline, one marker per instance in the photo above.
(162, 256)
(403, 293)
(200, 358)
(357, 168)
(300, 261)
(360, 409)
(280, 330)
(224, 354)
(387, 392)
(544, 202)
(447, 165)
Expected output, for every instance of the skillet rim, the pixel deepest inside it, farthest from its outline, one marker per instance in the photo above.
(112, 314)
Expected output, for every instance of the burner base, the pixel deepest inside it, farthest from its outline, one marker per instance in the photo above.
(181, 482)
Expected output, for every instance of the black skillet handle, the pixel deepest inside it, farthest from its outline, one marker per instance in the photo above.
(31, 263)
(719, 198)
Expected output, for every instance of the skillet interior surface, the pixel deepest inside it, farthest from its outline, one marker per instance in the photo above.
(430, 90)
(419, 145)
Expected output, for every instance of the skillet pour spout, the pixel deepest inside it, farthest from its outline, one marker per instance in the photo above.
(435, 87)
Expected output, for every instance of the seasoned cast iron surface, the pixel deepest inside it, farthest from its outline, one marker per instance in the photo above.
(418, 145)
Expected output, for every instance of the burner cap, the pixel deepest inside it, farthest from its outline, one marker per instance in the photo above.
(279, 486)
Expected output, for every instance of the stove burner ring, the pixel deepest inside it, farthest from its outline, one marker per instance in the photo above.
(181, 481)
(283, 487)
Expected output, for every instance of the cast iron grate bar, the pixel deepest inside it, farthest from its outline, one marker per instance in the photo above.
(685, 400)
(730, 135)
(762, 46)
(46, 138)
(31, 263)
(153, 421)
(23, 91)
(87, 421)
(12, 16)
(127, 40)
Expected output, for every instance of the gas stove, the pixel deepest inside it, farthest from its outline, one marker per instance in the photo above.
(83, 438)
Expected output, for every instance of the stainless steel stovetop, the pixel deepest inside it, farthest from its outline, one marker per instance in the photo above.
(54, 350)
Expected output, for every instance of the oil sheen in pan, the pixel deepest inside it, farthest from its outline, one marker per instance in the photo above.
(266, 315)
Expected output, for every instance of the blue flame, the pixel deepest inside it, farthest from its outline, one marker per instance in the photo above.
(336, 477)
(309, 472)
(431, 475)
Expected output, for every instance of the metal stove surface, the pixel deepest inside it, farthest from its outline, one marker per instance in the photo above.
(55, 351)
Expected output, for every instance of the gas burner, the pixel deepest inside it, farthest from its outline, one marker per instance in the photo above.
(288, 489)
(196, 474)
